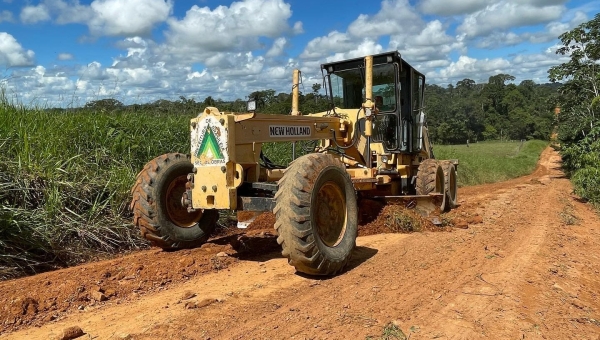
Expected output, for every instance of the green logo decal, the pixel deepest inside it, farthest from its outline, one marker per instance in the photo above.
(209, 147)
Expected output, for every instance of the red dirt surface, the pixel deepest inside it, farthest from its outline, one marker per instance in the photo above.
(525, 267)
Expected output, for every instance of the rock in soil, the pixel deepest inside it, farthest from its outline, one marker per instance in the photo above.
(199, 304)
(475, 219)
(188, 295)
(460, 223)
(72, 332)
(187, 261)
(99, 296)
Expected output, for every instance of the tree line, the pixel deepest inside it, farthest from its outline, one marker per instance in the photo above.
(497, 110)
(579, 98)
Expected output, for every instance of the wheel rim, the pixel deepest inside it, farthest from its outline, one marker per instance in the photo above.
(330, 214)
(178, 214)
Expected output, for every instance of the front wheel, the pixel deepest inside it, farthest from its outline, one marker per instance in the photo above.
(157, 208)
(317, 214)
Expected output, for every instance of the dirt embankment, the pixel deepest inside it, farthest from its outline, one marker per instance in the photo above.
(529, 270)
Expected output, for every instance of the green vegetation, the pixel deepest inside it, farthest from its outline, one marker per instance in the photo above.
(65, 179)
(489, 162)
(492, 111)
(391, 331)
(579, 123)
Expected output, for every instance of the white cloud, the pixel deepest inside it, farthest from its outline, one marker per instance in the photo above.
(434, 64)
(452, 7)
(71, 12)
(231, 65)
(541, 61)
(433, 34)
(540, 3)
(277, 48)
(65, 56)
(461, 7)
(103, 17)
(533, 66)
(128, 18)
(366, 47)
(6, 16)
(397, 19)
(236, 27)
(332, 43)
(550, 33)
(429, 43)
(35, 14)
(12, 53)
(506, 15)
(395, 16)
(466, 67)
(93, 71)
(298, 27)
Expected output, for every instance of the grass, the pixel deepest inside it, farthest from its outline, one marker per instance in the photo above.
(489, 162)
(65, 179)
(391, 331)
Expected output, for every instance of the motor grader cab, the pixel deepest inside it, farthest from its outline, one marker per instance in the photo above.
(372, 143)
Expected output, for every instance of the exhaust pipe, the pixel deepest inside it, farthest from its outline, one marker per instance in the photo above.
(295, 92)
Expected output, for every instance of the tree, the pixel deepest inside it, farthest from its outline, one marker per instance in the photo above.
(495, 90)
(263, 98)
(209, 101)
(104, 105)
(581, 72)
(495, 110)
(316, 88)
(579, 131)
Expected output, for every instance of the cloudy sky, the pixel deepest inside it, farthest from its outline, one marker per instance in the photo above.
(68, 52)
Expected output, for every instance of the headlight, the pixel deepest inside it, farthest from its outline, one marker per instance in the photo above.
(251, 106)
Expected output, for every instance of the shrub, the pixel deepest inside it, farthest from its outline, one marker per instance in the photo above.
(587, 184)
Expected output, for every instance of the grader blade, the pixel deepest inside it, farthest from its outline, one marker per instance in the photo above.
(245, 218)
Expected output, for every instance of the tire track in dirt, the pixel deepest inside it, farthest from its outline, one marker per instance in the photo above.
(491, 293)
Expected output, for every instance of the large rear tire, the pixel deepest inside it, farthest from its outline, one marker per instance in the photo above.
(430, 179)
(157, 208)
(317, 215)
(450, 184)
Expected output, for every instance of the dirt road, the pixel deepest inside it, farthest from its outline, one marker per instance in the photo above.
(530, 270)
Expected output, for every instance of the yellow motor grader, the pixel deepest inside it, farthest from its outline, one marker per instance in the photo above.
(371, 144)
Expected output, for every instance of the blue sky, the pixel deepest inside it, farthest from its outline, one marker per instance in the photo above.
(68, 52)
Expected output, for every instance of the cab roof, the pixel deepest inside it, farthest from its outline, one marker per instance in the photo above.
(382, 58)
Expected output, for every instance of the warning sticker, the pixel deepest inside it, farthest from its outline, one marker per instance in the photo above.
(289, 131)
